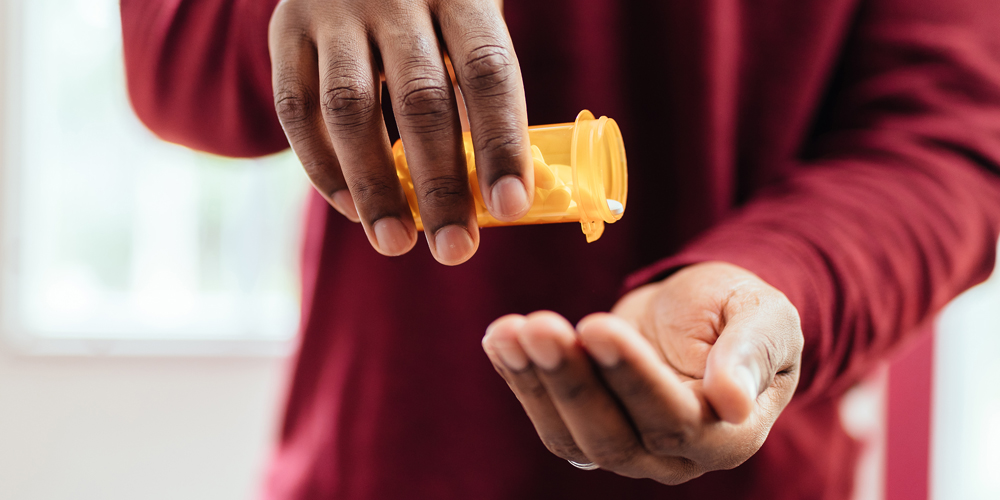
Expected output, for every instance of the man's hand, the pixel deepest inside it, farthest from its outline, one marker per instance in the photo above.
(684, 377)
(328, 60)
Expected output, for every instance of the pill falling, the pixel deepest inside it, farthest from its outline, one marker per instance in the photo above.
(616, 208)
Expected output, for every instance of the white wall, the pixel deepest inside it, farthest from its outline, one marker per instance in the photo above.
(131, 428)
(112, 428)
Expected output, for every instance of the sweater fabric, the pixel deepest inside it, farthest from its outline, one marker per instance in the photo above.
(846, 151)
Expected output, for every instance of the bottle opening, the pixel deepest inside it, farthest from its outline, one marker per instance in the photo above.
(599, 156)
(614, 170)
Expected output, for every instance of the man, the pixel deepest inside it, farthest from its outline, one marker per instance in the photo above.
(810, 181)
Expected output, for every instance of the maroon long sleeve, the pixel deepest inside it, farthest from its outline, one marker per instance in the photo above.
(893, 208)
(847, 151)
(199, 74)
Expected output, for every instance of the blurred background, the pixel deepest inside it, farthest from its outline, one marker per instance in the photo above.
(149, 296)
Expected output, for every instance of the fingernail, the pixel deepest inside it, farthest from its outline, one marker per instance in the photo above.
(391, 236)
(510, 354)
(509, 198)
(605, 353)
(747, 380)
(453, 245)
(344, 203)
(543, 351)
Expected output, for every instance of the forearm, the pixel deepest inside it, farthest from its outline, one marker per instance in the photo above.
(863, 266)
(898, 210)
(199, 74)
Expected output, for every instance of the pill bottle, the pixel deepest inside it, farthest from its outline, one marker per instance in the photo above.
(580, 176)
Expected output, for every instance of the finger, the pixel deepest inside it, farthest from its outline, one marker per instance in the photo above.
(426, 113)
(488, 73)
(510, 361)
(755, 351)
(353, 115)
(591, 414)
(667, 414)
(295, 79)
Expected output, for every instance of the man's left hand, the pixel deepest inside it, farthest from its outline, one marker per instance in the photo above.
(683, 377)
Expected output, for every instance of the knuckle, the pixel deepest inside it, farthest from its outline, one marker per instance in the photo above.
(666, 442)
(347, 103)
(503, 142)
(564, 448)
(294, 104)
(443, 191)
(425, 101)
(501, 370)
(532, 387)
(767, 351)
(347, 106)
(367, 189)
(633, 387)
(612, 455)
(572, 392)
(315, 169)
(793, 339)
(489, 70)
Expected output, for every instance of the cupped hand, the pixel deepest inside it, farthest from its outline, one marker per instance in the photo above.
(329, 58)
(683, 377)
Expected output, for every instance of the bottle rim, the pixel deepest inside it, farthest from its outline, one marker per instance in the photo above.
(608, 172)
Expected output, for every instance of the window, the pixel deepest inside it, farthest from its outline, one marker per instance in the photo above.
(115, 241)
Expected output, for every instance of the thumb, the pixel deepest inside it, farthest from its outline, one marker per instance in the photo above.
(740, 366)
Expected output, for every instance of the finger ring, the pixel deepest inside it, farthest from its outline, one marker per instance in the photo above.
(584, 466)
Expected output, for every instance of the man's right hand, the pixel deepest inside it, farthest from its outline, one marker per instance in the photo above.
(328, 60)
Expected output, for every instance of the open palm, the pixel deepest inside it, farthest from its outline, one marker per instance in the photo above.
(683, 377)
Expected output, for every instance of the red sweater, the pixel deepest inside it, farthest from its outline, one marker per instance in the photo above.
(847, 151)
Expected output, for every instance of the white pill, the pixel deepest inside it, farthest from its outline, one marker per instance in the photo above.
(616, 208)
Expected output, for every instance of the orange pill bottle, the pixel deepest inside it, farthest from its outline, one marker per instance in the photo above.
(580, 176)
